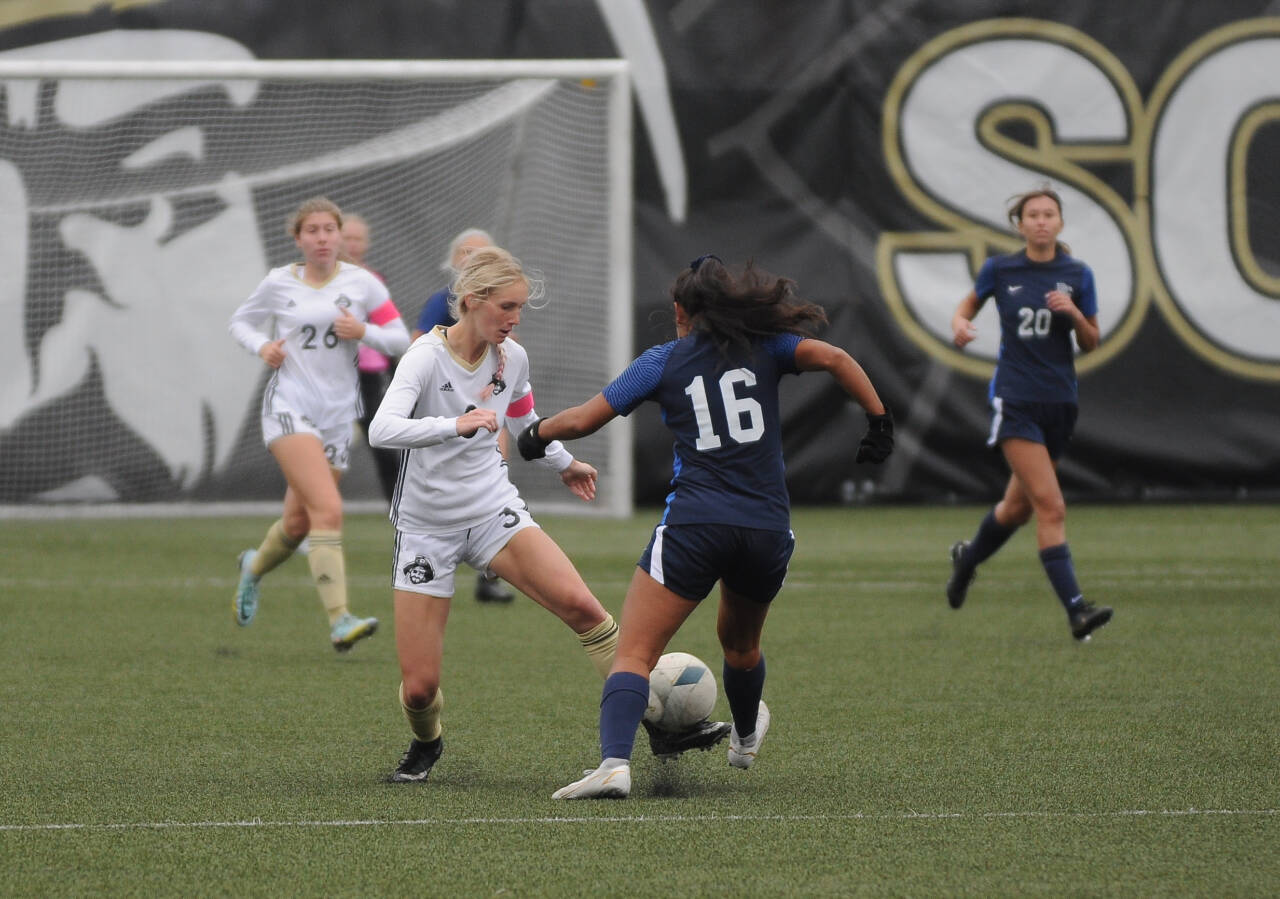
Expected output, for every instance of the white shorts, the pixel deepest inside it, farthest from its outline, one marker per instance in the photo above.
(425, 563)
(335, 440)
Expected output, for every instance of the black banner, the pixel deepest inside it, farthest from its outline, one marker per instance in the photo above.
(867, 150)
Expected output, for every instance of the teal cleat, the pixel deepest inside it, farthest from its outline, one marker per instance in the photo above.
(350, 630)
(245, 604)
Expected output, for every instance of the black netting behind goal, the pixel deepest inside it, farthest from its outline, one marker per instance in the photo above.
(141, 211)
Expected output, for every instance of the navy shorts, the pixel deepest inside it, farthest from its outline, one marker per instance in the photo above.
(1049, 423)
(688, 559)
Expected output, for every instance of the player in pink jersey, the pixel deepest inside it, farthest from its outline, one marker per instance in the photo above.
(374, 367)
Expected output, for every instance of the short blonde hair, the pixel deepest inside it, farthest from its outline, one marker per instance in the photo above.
(293, 227)
(486, 271)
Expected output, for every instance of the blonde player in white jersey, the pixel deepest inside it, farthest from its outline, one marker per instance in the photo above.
(306, 320)
(452, 391)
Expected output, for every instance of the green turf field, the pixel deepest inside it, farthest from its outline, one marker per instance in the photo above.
(151, 747)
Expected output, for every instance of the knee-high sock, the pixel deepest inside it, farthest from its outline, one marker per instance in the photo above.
(990, 537)
(275, 548)
(601, 643)
(425, 723)
(622, 705)
(329, 571)
(1062, 574)
(743, 689)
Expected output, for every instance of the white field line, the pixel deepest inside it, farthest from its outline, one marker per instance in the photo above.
(645, 819)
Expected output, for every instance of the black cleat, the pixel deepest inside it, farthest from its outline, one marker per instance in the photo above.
(1087, 618)
(961, 578)
(703, 735)
(489, 588)
(416, 762)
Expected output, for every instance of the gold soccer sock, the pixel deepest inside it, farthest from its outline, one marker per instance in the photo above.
(328, 570)
(425, 723)
(275, 548)
(601, 643)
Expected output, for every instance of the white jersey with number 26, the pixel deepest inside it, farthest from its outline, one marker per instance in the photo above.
(318, 378)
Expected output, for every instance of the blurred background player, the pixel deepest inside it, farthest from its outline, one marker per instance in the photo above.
(489, 587)
(304, 320)
(717, 385)
(374, 367)
(1043, 296)
(451, 392)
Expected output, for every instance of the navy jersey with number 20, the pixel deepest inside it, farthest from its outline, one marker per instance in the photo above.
(1037, 359)
(724, 416)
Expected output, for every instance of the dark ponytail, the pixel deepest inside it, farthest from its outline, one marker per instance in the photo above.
(734, 311)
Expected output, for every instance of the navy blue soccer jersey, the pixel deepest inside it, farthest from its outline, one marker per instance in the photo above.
(435, 311)
(1037, 356)
(727, 427)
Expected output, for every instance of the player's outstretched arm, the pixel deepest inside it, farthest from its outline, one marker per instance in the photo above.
(818, 355)
(570, 424)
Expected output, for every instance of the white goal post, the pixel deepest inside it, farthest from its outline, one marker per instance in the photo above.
(142, 203)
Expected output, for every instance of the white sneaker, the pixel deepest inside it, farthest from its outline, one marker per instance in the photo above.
(612, 780)
(743, 752)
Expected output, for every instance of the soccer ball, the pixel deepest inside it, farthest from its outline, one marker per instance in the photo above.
(682, 692)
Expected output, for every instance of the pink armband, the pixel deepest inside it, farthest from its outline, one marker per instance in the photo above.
(522, 406)
(384, 313)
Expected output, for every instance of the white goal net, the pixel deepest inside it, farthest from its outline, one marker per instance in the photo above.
(142, 203)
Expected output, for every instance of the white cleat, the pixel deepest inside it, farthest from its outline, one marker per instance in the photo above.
(612, 780)
(743, 752)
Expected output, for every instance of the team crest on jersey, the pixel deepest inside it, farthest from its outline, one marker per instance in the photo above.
(1065, 288)
(419, 571)
(342, 302)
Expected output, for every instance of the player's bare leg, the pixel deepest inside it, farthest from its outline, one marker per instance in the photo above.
(536, 566)
(313, 508)
(1038, 476)
(420, 622)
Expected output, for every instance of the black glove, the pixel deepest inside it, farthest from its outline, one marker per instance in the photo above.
(531, 446)
(877, 443)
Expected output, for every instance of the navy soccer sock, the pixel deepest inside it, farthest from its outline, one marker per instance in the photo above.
(743, 689)
(990, 537)
(1062, 574)
(622, 705)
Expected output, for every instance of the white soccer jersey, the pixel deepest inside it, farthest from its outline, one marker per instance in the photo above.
(449, 482)
(318, 378)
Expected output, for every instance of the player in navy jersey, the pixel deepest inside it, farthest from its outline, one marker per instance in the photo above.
(1044, 296)
(727, 519)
